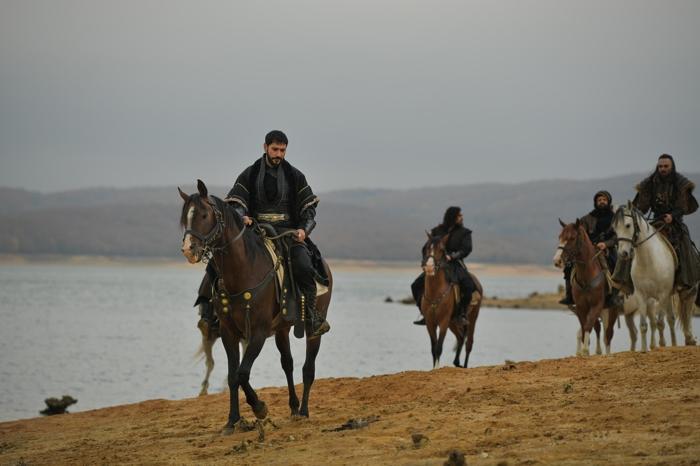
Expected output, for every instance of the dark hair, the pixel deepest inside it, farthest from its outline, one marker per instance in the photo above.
(449, 220)
(673, 164)
(276, 136)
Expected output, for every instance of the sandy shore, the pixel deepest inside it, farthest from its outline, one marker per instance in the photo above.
(628, 408)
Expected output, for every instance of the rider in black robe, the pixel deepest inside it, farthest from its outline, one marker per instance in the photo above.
(459, 246)
(272, 191)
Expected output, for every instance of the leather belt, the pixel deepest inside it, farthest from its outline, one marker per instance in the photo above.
(272, 218)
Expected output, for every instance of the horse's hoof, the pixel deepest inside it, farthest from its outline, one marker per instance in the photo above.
(690, 342)
(228, 429)
(260, 410)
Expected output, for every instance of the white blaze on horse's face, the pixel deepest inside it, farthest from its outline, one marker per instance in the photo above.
(558, 262)
(188, 248)
(429, 267)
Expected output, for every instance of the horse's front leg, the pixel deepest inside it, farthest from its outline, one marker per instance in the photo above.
(653, 310)
(458, 349)
(596, 327)
(431, 327)
(282, 342)
(309, 372)
(255, 345)
(660, 324)
(233, 355)
(439, 343)
(632, 329)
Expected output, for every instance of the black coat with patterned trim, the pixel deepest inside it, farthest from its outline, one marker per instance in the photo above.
(301, 198)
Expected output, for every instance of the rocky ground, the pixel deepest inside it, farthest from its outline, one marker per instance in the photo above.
(628, 408)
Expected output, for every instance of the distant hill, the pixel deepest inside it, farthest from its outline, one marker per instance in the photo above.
(511, 222)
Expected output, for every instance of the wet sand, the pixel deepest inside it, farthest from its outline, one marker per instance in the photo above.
(628, 408)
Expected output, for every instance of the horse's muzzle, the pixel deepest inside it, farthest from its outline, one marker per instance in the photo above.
(191, 250)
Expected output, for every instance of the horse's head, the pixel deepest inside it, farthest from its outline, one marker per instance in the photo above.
(570, 240)
(434, 254)
(201, 221)
(628, 223)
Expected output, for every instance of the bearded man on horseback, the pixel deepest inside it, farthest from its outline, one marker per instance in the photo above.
(272, 191)
(459, 246)
(598, 225)
(669, 196)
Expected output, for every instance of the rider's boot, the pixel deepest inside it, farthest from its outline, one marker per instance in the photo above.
(319, 325)
(459, 316)
(206, 312)
(421, 319)
(613, 299)
(568, 299)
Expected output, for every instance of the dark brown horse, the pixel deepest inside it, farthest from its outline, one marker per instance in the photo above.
(439, 302)
(247, 302)
(588, 284)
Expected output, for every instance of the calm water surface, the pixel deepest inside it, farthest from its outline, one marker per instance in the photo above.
(117, 334)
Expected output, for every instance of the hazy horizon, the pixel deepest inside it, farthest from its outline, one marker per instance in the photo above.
(382, 94)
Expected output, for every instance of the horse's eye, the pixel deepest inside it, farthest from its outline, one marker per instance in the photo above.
(204, 215)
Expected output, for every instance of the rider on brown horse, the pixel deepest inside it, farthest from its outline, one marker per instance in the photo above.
(598, 225)
(669, 196)
(459, 246)
(274, 192)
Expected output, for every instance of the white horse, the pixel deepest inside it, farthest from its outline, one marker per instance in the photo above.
(652, 266)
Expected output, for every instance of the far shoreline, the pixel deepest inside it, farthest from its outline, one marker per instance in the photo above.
(346, 265)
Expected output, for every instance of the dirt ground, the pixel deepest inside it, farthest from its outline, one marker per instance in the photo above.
(627, 409)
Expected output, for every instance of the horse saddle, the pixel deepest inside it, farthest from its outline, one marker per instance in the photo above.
(288, 295)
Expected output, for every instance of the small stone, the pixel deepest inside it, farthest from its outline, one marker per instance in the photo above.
(419, 440)
(568, 387)
(455, 458)
(484, 455)
(388, 300)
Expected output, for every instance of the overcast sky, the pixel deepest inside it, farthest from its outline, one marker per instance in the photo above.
(371, 93)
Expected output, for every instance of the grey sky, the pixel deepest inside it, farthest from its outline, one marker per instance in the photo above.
(371, 93)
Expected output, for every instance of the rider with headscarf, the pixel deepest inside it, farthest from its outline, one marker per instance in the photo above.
(598, 226)
(459, 246)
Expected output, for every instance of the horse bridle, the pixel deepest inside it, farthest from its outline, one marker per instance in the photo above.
(209, 240)
(438, 264)
(635, 236)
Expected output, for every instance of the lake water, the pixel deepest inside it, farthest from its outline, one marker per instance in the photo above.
(110, 335)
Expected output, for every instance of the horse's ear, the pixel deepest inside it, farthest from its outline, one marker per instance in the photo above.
(563, 225)
(578, 222)
(629, 204)
(428, 234)
(202, 188)
(184, 196)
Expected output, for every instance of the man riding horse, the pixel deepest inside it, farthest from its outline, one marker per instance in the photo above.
(669, 196)
(272, 191)
(459, 246)
(598, 225)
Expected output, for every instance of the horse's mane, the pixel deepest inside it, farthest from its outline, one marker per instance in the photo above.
(619, 214)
